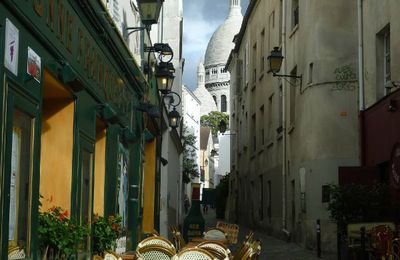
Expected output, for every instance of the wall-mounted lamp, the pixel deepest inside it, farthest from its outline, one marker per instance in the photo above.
(165, 76)
(165, 51)
(275, 63)
(149, 10)
(173, 116)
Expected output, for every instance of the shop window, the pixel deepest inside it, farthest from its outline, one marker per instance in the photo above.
(122, 185)
(20, 180)
(86, 181)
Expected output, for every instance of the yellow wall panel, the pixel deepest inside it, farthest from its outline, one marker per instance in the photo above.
(149, 187)
(99, 172)
(56, 154)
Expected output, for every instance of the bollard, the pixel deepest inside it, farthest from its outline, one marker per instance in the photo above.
(318, 238)
(362, 241)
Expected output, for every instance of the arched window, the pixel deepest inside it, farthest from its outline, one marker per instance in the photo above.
(215, 99)
(223, 103)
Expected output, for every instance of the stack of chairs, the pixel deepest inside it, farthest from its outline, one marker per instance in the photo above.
(231, 230)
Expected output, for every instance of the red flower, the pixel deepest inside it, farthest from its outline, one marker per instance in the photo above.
(63, 216)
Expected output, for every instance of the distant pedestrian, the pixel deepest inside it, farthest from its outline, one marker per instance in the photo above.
(186, 204)
(205, 208)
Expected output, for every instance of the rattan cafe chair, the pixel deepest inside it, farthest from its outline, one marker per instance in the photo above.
(179, 242)
(155, 252)
(156, 240)
(215, 234)
(215, 246)
(195, 253)
(111, 256)
(253, 252)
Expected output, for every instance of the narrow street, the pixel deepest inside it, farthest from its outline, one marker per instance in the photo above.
(272, 248)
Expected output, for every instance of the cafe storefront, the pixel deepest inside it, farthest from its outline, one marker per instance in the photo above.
(70, 134)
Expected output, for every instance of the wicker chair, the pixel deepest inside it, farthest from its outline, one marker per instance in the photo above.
(253, 252)
(155, 252)
(156, 240)
(231, 230)
(215, 234)
(111, 256)
(179, 242)
(395, 249)
(195, 254)
(16, 253)
(222, 251)
(244, 247)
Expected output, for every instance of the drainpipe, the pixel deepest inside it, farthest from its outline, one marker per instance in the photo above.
(360, 56)
(284, 159)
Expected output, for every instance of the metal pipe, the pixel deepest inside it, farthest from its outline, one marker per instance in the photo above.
(360, 56)
(284, 119)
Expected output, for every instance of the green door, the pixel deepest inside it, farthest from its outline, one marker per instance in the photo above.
(21, 175)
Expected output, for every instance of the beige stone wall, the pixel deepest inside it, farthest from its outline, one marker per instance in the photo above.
(321, 128)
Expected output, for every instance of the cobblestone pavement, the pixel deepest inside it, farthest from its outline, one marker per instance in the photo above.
(272, 248)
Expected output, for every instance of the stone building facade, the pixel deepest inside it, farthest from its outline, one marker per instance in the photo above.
(292, 134)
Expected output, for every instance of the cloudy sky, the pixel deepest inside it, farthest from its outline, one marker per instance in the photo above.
(201, 19)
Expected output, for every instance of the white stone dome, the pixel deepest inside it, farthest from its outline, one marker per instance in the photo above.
(221, 43)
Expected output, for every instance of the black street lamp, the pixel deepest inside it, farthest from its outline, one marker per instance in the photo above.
(149, 11)
(275, 60)
(165, 76)
(174, 118)
(275, 63)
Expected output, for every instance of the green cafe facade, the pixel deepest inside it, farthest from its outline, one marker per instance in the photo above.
(70, 134)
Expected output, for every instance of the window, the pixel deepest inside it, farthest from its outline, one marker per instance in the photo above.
(386, 58)
(270, 117)
(254, 63)
(246, 65)
(292, 97)
(20, 180)
(383, 62)
(223, 103)
(269, 201)
(310, 73)
(262, 57)
(253, 131)
(214, 71)
(295, 13)
(261, 198)
(122, 185)
(280, 107)
(261, 121)
(215, 99)
(207, 72)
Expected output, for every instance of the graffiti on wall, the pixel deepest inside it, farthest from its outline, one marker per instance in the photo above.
(346, 79)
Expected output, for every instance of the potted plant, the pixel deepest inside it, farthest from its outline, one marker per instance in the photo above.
(59, 236)
(105, 231)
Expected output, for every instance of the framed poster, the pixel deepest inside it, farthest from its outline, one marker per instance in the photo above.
(11, 47)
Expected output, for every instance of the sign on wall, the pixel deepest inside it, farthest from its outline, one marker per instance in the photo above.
(11, 47)
(33, 65)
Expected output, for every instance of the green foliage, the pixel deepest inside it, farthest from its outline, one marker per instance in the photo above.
(222, 191)
(190, 167)
(106, 231)
(358, 203)
(56, 231)
(213, 119)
